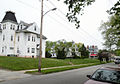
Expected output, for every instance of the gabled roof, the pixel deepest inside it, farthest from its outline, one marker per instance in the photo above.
(26, 24)
(10, 16)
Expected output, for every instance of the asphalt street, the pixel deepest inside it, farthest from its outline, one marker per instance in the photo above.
(76, 76)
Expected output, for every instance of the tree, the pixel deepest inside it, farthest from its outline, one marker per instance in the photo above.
(84, 52)
(76, 7)
(110, 33)
(47, 54)
(61, 54)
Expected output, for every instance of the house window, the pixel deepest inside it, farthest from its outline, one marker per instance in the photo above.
(11, 26)
(28, 38)
(32, 38)
(11, 38)
(17, 50)
(3, 37)
(35, 28)
(33, 50)
(18, 27)
(5, 26)
(2, 49)
(21, 26)
(28, 50)
(11, 48)
(18, 38)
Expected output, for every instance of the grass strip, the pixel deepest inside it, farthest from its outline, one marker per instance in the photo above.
(47, 71)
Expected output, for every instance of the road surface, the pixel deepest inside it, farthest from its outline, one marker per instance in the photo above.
(76, 76)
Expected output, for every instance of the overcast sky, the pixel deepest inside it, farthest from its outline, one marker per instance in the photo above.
(56, 25)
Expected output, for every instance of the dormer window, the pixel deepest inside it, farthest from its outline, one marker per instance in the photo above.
(21, 26)
(3, 27)
(18, 27)
(35, 28)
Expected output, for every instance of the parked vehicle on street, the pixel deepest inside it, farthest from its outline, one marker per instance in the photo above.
(106, 75)
(117, 59)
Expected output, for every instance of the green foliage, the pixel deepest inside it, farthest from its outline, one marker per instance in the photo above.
(61, 54)
(76, 7)
(62, 48)
(117, 52)
(110, 32)
(47, 54)
(104, 50)
(84, 52)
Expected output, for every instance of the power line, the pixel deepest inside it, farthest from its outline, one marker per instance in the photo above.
(67, 23)
(28, 5)
(53, 17)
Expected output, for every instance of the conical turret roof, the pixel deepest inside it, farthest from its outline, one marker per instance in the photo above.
(10, 16)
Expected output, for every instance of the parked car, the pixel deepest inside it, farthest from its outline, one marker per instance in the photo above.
(117, 59)
(107, 75)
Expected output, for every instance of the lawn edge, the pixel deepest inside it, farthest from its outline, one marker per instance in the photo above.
(54, 70)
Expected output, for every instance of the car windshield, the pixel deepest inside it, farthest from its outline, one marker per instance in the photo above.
(117, 58)
(107, 76)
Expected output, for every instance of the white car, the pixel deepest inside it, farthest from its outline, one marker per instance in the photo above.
(117, 60)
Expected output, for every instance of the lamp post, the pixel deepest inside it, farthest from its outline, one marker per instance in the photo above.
(41, 26)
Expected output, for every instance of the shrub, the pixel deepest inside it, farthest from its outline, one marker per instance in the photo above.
(47, 54)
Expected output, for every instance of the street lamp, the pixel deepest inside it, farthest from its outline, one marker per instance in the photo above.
(50, 10)
(41, 25)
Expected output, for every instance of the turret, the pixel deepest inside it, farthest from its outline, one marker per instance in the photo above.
(10, 16)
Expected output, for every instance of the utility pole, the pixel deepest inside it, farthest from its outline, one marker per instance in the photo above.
(41, 25)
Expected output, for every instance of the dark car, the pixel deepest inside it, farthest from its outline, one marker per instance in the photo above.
(107, 75)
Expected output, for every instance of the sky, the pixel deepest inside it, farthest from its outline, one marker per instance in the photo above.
(55, 23)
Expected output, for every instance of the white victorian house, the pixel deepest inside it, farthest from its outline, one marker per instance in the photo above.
(19, 39)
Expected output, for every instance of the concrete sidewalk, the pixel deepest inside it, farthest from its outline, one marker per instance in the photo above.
(55, 67)
(11, 75)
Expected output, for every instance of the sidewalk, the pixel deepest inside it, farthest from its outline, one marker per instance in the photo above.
(55, 67)
(11, 75)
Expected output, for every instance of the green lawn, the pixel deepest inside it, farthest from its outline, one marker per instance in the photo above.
(16, 63)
